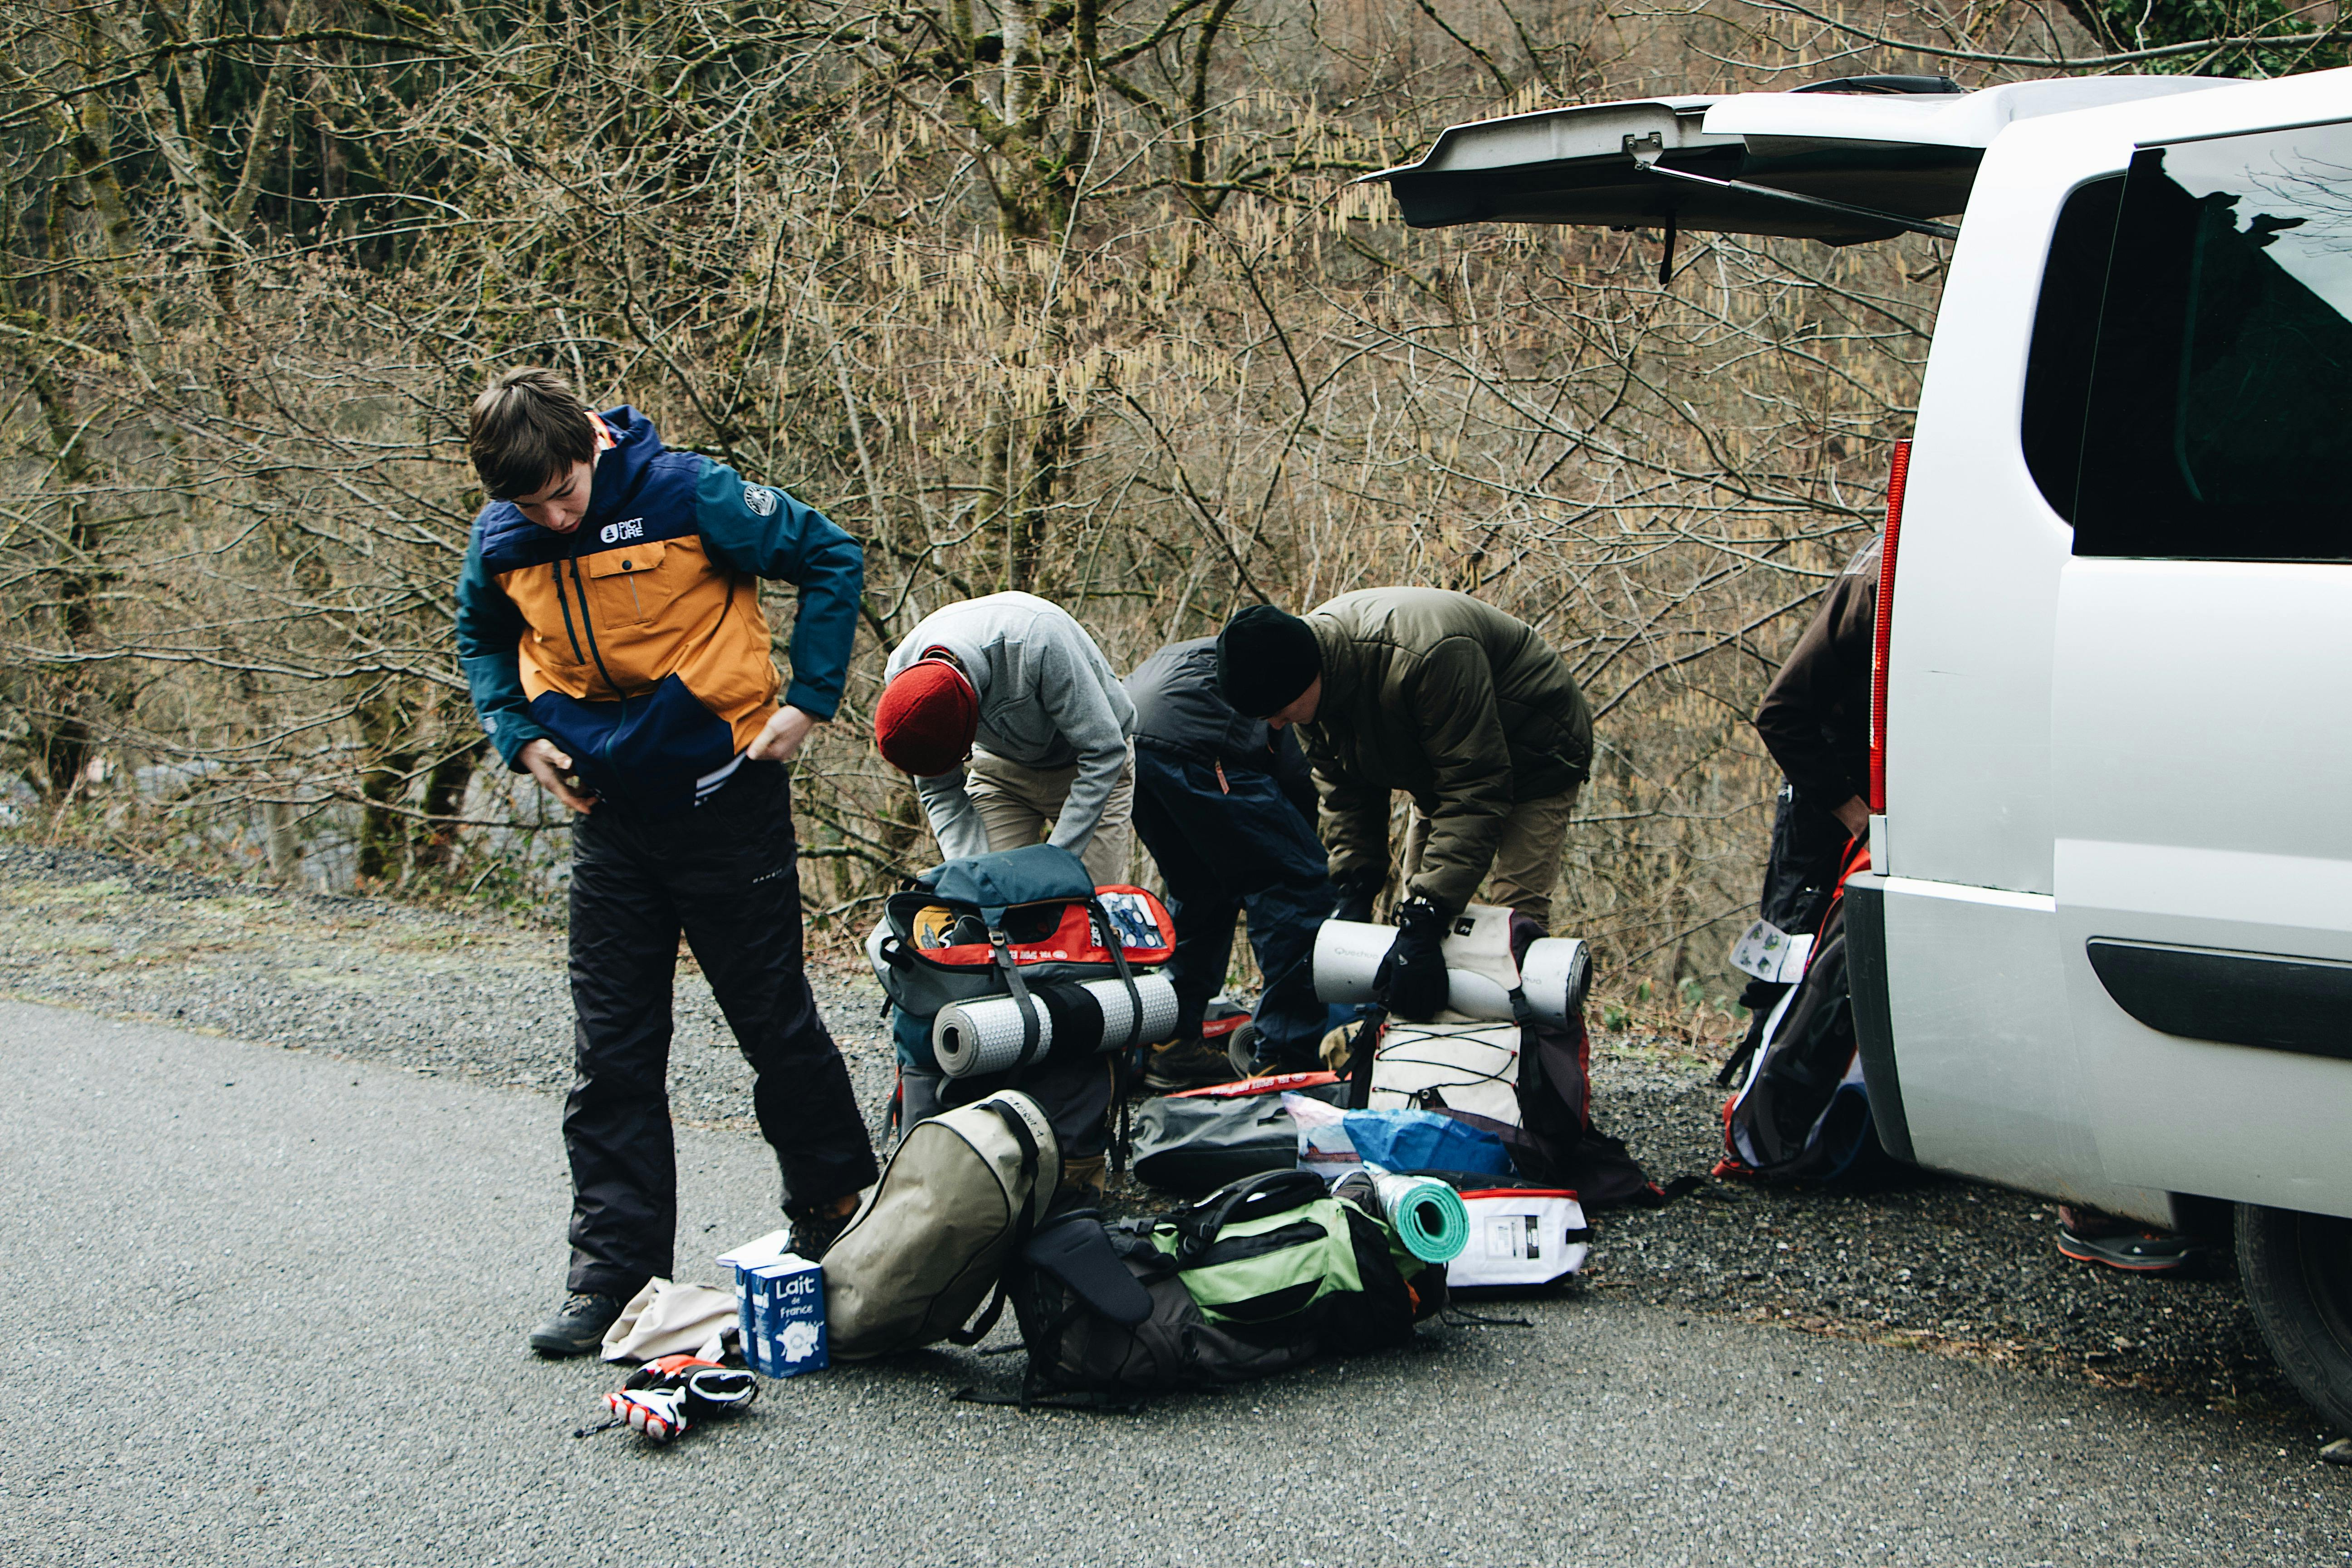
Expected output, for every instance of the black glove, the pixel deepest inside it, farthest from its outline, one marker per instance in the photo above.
(1356, 896)
(1411, 980)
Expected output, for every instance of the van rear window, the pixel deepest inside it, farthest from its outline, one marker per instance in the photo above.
(2217, 420)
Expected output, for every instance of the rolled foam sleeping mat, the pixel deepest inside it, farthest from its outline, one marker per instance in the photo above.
(990, 1036)
(1427, 1215)
(1554, 976)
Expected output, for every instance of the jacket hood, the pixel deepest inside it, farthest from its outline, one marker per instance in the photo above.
(510, 540)
(967, 656)
(621, 469)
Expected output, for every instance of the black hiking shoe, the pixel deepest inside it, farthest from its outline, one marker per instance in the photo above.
(1187, 1064)
(813, 1232)
(577, 1327)
(2088, 1236)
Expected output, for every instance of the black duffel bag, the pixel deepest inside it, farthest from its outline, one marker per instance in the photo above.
(1197, 1142)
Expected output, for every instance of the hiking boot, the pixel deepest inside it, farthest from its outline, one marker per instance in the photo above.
(1187, 1064)
(2087, 1236)
(814, 1230)
(1084, 1179)
(577, 1327)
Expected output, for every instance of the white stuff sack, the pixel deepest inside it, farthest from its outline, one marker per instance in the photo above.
(1520, 1236)
(1462, 1066)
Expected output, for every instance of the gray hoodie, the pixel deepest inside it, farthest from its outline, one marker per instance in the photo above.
(1047, 699)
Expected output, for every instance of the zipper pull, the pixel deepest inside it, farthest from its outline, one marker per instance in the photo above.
(1222, 786)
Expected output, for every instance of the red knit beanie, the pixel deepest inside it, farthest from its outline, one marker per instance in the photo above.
(926, 720)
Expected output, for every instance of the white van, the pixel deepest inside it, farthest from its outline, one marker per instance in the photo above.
(2104, 949)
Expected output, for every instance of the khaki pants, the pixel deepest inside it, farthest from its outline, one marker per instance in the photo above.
(1019, 806)
(1527, 858)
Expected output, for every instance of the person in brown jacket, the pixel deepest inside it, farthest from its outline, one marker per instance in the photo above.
(1466, 710)
(1815, 720)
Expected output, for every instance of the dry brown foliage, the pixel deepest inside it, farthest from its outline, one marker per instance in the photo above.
(1074, 298)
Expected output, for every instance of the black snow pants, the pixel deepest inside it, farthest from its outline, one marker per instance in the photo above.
(726, 873)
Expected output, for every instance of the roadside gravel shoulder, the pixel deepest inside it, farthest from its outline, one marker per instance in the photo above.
(1942, 1266)
(423, 990)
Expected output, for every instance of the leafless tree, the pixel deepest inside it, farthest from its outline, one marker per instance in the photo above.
(1073, 297)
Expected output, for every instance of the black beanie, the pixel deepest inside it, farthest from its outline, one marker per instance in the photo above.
(1265, 660)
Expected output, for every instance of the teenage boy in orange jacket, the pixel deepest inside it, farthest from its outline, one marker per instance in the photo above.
(609, 624)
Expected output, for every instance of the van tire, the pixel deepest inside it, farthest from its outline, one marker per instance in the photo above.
(2297, 1270)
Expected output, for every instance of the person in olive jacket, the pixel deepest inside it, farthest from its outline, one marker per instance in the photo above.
(1464, 709)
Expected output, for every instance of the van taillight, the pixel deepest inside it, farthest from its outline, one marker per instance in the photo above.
(1884, 625)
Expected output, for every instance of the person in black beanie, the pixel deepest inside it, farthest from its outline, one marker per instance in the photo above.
(1226, 807)
(1464, 708)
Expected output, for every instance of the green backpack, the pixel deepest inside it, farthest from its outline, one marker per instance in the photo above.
(1258, 1277)
(1262, 1249)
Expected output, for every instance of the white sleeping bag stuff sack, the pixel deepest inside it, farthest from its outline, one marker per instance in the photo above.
(1461, 1066)
(957, 1201)
(1520, 1236)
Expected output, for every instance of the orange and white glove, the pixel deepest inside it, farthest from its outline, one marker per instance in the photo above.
(658, 1413)
(708, 1388)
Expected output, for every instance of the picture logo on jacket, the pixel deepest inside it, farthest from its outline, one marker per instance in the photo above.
(760, 500)
(629, 528)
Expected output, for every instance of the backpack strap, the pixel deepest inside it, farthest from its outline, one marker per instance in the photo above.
(1361, 1051)
(1271, 1192)
(1117, 951)
(1122, 1079)
(1024, 1221)
(1032, 1033)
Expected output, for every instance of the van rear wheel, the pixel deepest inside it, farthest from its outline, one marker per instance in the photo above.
(2297, 1269)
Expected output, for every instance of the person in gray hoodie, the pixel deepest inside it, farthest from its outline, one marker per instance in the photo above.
(1015, 728)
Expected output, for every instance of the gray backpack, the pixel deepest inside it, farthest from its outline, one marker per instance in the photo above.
(956, 1203)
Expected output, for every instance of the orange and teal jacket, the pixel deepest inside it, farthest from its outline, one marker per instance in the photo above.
(635, 643)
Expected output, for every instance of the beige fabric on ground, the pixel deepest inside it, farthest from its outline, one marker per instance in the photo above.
(667, 1318)
(1527, 860)
(1019, 805)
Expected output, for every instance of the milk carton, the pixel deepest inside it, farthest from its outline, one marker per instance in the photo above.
(769, 1248)
(783, 1308)
(779, 1298)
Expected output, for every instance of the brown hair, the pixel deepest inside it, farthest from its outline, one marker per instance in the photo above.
(527, 428)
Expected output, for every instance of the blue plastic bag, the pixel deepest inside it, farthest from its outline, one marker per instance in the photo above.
(1425, 1140)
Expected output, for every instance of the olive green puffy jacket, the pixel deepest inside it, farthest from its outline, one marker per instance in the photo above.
(1464, 708)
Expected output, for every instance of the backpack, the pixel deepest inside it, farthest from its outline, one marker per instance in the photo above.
(1547, 1123)
(1803, 1112)
(1261, 1276)
(1003, 923)
(991, 925)
(1809, 845)
(959, 1197)
(1448, 1067)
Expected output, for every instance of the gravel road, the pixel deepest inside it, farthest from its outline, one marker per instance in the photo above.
(1946, 1267)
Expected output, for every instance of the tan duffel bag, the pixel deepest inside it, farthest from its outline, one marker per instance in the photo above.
(958, 1199)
